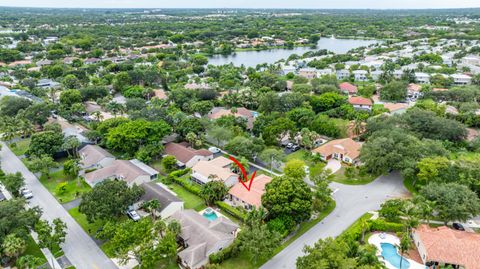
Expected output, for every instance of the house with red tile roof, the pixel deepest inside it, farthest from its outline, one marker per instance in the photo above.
(345, 150)
(441, 246)
(348, 88)
(238, 195)
(218, 112)
(360, 103)
(187, 156)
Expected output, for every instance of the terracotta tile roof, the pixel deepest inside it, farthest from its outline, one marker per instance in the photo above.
(344, 146)
(183, 153)
(412, 87)
(446, 245)
(254, 196)
(218, 112)
(348, 87)
(439, 89)
(160, 94)
(357, 100)
(392, 107)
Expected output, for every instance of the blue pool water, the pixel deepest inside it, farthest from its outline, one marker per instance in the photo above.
(210, 215)
(390, 254)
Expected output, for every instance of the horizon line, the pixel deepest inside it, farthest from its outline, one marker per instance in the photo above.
(246, 8)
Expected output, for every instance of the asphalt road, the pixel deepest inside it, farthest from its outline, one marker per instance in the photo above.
(79, 248)
(352, 203)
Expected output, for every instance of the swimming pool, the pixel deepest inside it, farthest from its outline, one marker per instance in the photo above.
(390, 254)
(210, 214)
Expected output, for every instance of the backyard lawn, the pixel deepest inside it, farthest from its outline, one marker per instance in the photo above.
(355, 179)
(191, 200)
(70, 191)
(20, 147)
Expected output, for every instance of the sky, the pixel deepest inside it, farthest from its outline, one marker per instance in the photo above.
(320, 4)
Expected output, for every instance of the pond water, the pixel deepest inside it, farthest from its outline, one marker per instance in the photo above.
(252, 58)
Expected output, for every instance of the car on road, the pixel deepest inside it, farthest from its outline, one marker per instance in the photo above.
(26, 193)
(289, 145)
(458, 226)
(214, 150)
(133, 215)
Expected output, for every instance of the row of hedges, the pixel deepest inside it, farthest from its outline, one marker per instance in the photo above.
(231, 210)
(229, 252)
(177, 177)
(354, 232)
(384, 226)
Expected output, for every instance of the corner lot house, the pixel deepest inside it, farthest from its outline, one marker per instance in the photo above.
(132, 172)
(216, 169)
(345, 150)
(93, 156)
(240, 196)
(360, 103)
(187, 156)
(201, 237)
(169, 202)
(444, 246)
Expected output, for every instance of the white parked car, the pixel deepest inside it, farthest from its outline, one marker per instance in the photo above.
(214, 150)
(133, 215)
(26, 193)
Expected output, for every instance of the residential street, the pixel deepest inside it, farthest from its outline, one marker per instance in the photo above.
(352, 202)
(79, 248)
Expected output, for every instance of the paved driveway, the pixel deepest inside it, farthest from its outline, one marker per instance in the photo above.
(79, 248)
(333, 165)
(352, 202)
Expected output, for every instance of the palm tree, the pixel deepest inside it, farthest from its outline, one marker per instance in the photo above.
(152, 207)
(26, 128)
(405, 244)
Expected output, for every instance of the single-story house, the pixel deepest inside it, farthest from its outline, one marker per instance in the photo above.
(132, 172)
(218, 112)
(309, 73)
(444, 246)
(169, 202)
(360, 103)
(93, 156)
(201, 237)
(187, 156)
(360, 75)
(345, 150)
(396, 108)
(414, 90)
(238, 195)
(343, 74)
(216, 169)
(348, 88)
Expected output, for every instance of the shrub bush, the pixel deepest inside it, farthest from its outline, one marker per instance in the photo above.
(229, 252)
(238, 213)
(195, 189)
(384, 226)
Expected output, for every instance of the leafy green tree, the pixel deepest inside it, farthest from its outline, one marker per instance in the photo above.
(258, 242)
(394, 91)
(452, 201)
(213, 191)
(152, 206)
(295, 168)
(121, 81)
(272, 155)
(289, 196)
(71, 167)
(51, 236)
(277, 129)
(16, 218)
(13, 182)
(322, 193)
(70, 145)
(391, 210)
(242, 146)
(29, 262)
(327, 253)
(42, 165)
(219, 134)
(70, 97)
(303, 117)
(45, 143)
(146, 241)
(189, 125)
(11, 105)
(109, 200)
(13, 246)
(71, 82)
(327, 101)
(169, 163)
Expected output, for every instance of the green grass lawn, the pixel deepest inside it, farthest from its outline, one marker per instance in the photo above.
(71, 190)
(34, 250)
(408, 183)
(242, 260)
(298, 155)
(157, 165)
(81, 219)
(356, 179)
(191, 200)
(20, 147)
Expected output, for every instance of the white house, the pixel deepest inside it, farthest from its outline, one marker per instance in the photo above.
(397, 74)
(471, 60)
(422, 78)
(324, 72)
(376, 74)
(288, 69)
(461, 79)
(309, 73)
(343, 74)
(360, 75)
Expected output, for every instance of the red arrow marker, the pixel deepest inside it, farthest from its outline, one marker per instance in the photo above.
(244, 174)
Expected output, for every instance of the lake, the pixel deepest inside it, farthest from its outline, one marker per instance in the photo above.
(252, 58)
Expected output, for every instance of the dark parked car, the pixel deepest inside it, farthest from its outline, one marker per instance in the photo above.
(295, 148)
(458, 226)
